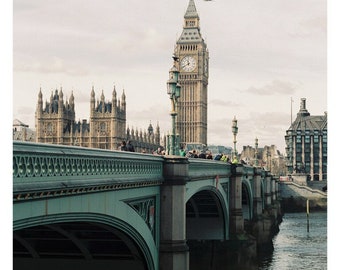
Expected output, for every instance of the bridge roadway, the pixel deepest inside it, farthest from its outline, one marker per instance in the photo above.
(93, 208)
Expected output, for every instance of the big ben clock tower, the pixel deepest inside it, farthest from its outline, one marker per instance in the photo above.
(193, 56)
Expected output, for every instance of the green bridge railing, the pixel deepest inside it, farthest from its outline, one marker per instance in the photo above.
(42, 168)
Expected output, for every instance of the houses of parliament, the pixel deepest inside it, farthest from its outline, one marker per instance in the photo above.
(55, 120)
(55, 123)
(106, 129)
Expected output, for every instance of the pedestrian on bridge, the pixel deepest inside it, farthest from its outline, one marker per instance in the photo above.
(202, 155)
(235, 161)
(130, 147)
(123, 146)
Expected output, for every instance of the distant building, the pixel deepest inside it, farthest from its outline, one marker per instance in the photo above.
(22, 132)
(220, 149)
(55, 124)
(267, 157)
(306, 144)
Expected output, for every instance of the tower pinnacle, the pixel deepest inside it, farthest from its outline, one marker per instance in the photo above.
(191, 10)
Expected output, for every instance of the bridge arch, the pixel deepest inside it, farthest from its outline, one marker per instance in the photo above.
(247, 200)
(123, 211)
(207, 214)
(83, 240)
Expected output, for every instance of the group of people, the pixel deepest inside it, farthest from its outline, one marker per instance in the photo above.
(127, 146)
(193, 154)
(225, 158)
(159, 151)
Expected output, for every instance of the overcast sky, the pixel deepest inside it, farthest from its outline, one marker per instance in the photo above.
(262, 54)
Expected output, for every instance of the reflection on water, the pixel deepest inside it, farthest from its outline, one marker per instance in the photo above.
(294, 247)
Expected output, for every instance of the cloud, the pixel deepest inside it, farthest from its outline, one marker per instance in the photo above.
(317, 23)
(309, 27)
(273, 88)
(223, 103)
(255, 125)
(26, 115)
(50, 65)
(25, 110)
(142, 118)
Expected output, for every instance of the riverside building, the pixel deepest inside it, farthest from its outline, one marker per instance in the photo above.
(306, 144)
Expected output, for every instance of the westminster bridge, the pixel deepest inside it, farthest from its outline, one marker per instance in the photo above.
(101, 209)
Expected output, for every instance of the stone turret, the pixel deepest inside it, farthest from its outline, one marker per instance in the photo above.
(72, 101)
(60, 102)
(40, 102)
(106, 129)
(123, 101)
(38, 113)
(157, 135)
(114, 102)
(150, 129)
(93, 100)
(114, 97)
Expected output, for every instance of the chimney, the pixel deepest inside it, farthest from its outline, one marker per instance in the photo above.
(303, 104)
(303, 111)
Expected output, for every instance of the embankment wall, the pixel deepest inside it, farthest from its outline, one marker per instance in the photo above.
(294, 197)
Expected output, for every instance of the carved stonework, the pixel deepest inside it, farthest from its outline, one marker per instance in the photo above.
(106, 128)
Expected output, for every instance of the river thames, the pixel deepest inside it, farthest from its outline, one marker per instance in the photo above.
(295, 247)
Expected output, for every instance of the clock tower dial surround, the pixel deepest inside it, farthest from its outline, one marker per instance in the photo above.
(193, 55)
(188, 63)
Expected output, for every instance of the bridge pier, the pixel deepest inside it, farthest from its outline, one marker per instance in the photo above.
(277, 188)
(268, 192)
(236, 215)
(174, 251)
(258, 206)
(273, 188)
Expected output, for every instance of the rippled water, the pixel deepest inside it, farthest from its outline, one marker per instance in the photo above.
(295, 248)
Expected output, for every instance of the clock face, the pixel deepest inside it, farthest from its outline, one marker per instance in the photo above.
(188, 63)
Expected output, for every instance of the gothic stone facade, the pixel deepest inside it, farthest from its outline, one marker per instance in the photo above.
(192, 52)
(55, 124)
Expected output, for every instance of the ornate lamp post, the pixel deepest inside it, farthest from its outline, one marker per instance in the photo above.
(256, 151)
(234, 129)
(174, 92)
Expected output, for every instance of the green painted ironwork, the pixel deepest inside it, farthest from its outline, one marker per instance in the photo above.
(146, 208)
(121, 185)
(206, 169)
(44, 170)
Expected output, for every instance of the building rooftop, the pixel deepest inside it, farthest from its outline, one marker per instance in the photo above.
(305, 121)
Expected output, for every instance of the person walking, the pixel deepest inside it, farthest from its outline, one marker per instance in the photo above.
(235, 161)
(182, 152)
(202, 155)
(123, 146)
(130, 147)
(194, 155)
